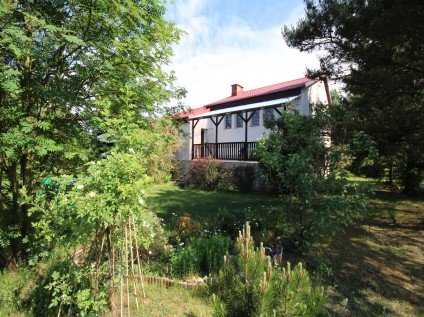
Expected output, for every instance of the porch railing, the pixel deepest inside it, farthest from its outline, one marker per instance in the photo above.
(237, 151)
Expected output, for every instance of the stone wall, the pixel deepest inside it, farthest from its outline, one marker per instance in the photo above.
(259, 185)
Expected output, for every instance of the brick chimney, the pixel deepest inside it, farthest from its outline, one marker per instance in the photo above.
(236, 89)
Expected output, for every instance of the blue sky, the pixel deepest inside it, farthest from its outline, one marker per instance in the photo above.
(230, 42)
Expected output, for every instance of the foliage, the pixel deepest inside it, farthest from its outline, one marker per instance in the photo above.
(14, 292)
(207, 174)
(248, 285)
(188, 229)
(382, 65)
(244, 177)
(202, 256)
(66, 70)
(313, 200)
(93, 214)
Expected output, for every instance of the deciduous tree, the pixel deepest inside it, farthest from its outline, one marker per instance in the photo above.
(66, 66)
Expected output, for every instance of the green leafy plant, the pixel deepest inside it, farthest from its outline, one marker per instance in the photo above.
(249, 285)
(66, 71)
(188, 229)
(202, 256)
(207, 174)
(315, 200)
(94, 217)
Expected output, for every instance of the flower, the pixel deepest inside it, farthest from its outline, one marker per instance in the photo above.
(150, 252)
(80, 186)
(142, 191)
(92, 194)
(131, 150)
(140, 201)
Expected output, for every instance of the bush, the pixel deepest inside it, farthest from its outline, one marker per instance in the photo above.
(244, 177)
(316, 201)
(202, 256)
(248, 285)
(207, 174)
(188, 229)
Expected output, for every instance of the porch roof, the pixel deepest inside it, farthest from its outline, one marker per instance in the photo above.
(252, 106)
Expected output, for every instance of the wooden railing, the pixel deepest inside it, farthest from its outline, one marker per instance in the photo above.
(237, 151)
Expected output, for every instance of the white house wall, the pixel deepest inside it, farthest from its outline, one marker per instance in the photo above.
(184, 152)
(310, 95)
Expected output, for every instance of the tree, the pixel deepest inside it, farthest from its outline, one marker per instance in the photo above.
(315, 202)
(67, 67)
(250, 285)
(375, 48)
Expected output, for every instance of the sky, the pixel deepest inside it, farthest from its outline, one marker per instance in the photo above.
(234, 42)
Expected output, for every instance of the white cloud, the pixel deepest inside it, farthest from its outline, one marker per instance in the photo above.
(220, 51)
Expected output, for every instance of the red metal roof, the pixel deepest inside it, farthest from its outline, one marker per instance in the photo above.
(292, 84)
(192, 113)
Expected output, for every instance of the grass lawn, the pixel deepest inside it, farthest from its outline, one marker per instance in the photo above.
(377, 264)
(175, 301)
(170, 202)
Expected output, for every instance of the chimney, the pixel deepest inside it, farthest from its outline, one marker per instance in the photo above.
(236, 89)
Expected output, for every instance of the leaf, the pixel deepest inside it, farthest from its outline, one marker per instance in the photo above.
(73, 39)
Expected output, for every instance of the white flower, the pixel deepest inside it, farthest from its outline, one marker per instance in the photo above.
(141, 201)
(80, 186)
(92, 194)
(142, 192)
(150, 252)
(99, 163)
(145, 224)
(131, 150)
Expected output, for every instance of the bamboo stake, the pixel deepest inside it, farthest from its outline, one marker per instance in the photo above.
(126, 269)
(111, 263)
(122, 269)
(138, 259)
(132, 264)
(99, 256)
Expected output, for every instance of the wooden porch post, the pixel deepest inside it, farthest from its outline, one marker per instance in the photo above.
(216, 122)
(193, 125)
(245, 136)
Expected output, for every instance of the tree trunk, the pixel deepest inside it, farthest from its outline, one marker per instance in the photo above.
(412, 177)
(15, 218)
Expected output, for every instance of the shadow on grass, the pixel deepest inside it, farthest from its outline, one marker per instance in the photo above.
(379, 264)
(169, 201)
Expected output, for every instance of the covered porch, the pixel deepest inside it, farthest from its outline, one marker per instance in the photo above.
(239, 150)
(234, 151)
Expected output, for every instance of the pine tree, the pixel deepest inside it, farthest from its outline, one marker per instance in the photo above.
(249, 285)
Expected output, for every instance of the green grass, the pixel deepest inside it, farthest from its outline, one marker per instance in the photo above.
(171, 301)
(170, 202)
(374, 268)
(377, 264)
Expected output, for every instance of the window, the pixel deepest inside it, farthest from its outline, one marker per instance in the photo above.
(239, 121)
(228, 121)
(268, 115)
(254, 121)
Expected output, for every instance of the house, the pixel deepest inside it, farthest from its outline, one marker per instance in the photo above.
(227, 129)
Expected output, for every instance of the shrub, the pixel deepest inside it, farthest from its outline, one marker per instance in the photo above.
(248, 285)
(244, 177)
(314, 200)
(187, 228)
(207, 174)
(202, 256)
